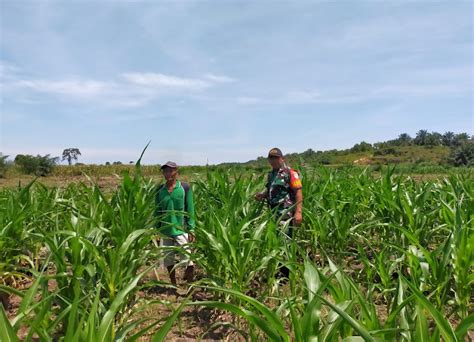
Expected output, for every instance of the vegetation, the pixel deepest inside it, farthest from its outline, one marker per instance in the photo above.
(381, 258)
(463, 155)
(3, 165)
(429, 148)
(425, 151)
(38, 166)
(71, 154)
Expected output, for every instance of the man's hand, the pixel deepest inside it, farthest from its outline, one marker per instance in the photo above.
(298, 218)
(260, 196)
(191, 237)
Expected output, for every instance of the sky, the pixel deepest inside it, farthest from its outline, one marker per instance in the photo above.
(221, 81)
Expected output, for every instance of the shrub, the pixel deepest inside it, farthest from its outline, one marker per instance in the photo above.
(39, 165)
(463, 155)
(3, 165)
(386, 150)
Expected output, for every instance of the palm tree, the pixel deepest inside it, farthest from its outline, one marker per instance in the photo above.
(460, 139)
(448, 139)
(433, 139)
(421, 137)
(404, 139)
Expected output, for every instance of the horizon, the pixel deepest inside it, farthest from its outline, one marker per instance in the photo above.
(210, 83)
(132, 162)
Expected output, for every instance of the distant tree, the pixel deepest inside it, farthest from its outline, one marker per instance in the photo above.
(39, 165)
(391, 143)
(433, 139)
(420, 138)
(18, 158)
(463, 155)
(131, 162)
(3, 165)
(117, 163)
(460, 139)
(107, 163)
(380, 145)
(362, 147)
(448, 139)
(404, 139)
(71, 154)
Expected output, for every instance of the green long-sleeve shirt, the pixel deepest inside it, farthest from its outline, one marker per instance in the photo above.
(171, 209)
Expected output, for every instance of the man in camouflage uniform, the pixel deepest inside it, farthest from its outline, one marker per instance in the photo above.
(284, 196)
(283, 190)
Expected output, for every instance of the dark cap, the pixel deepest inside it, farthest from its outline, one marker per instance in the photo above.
(275, 152)
(169, 164)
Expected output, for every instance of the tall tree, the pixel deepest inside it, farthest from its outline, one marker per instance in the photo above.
(71, 154)
(404, 139)
(433, 139)
(420, 138)
(463, 155)
(3, 164)
(448, 139)
(460, 139)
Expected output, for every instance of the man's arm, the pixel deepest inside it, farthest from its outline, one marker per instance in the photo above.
(296, 186)
(299, 207)
(261, 196)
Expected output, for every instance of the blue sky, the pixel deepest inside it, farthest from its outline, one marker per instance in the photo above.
(220, 81)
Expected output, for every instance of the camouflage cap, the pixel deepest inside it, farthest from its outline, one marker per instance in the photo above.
(275, 152)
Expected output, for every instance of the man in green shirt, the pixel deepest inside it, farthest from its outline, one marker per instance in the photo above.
(175, 210)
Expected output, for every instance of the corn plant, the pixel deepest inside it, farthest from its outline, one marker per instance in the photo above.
(378, 257)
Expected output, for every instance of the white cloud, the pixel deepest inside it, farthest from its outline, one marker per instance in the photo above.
(152, 80)
(127, 90)
(219, 78)
(86, 88)
(7, 69)
(136, 117)
(413, 83)
(396, 31)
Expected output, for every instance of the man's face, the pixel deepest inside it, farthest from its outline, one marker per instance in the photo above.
(170, 173)
(275, 162)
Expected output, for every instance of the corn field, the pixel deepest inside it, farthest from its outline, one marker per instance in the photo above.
(377, 258)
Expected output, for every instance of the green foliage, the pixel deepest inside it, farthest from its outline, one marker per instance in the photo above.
(427, 147)
(378, 257)
(463, 155)
(385, 151)
(38, 166)
(3, 165)
(362, 147)
(70, 154)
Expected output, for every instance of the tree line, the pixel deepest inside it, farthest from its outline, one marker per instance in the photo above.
(461, 145)
(38, 165)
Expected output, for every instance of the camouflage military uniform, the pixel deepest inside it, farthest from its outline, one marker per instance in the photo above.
(281, 186)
